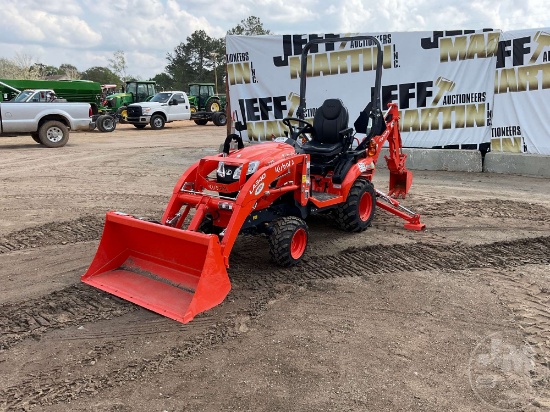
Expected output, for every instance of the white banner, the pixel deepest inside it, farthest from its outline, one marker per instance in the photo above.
(442, 82)
(522, 93)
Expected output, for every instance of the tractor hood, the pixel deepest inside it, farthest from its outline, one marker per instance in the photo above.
(265, 153)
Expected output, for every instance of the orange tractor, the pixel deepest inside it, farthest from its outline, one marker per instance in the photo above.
(177, 267)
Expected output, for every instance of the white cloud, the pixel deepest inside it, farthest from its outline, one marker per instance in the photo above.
(86, 33)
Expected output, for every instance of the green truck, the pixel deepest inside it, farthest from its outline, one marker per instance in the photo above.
(78, 91)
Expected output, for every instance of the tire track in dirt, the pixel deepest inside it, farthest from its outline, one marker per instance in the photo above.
(82, 229)
(67, 307)
(88, 228)
(487, 208)
(80, 303)
(83, 304)
(52, 387)
(526, 292)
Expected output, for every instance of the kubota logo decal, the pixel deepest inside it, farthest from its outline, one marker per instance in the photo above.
(282, 167)
(217, 188)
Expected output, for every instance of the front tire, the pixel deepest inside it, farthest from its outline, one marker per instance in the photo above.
(140, 126)
(53, 134)
(201, 122)
(356, 214)
(219, 119)
(36, 138)
(123, 112)
(288, 240)
(157, 122)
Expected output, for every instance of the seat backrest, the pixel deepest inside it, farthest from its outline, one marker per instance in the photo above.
(330, 119)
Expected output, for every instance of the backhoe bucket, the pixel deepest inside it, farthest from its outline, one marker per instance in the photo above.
(173, 272)
(400, 183)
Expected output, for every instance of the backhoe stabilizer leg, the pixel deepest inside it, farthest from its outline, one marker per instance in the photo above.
(394, 207)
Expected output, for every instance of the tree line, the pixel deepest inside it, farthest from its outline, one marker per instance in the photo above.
(200, 58)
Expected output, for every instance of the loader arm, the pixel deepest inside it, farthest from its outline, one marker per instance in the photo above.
(256, 193)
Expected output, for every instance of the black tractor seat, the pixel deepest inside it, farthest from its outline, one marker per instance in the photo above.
(331, 135)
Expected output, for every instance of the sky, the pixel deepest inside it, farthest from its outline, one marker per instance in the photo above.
(88, 33)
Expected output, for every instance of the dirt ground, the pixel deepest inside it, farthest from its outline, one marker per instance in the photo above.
(455, 318)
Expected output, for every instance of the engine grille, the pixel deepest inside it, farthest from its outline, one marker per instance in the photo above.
(134, 111)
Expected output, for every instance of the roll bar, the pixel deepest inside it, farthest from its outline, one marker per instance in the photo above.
(303, 74)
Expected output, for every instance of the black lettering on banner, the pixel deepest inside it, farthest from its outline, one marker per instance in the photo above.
(518, 52)
(253, 73)
(280, 61)
(259, 108)
(464, 98)
(279, 104)
(506, 131)
(423, 91)
(404, 93)
(252, 110)
(293, 45)
(265, 107)
(503, 52)
(236, 57)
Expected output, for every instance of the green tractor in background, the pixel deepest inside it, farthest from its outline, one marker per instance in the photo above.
(204, 101)
(116, 104)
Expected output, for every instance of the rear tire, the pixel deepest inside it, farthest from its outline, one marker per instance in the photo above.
(99, 123)
(157, 122)
(288, 240)
(107, 123)
(201, 122)
(53, 134)
(213, 106)
(356, 214)
(219, 119)
(140, 126)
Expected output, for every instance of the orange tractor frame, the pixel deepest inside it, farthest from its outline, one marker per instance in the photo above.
(177, 267)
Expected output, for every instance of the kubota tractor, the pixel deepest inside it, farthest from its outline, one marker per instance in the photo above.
(177, 267)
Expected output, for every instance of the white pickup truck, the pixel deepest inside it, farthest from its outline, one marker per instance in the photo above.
(37, 96)
(47, 123)
(164, 107)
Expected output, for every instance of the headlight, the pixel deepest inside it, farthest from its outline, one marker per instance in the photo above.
(252, 167)
(222, 170)
(146, 110)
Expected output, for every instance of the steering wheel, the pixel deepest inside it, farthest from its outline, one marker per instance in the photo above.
(296, 130)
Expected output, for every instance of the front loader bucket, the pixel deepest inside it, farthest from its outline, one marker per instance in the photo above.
(400, 183)
(173, 272)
